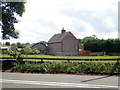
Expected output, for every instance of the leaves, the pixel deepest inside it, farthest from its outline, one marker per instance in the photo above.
(14, 51)
(94, 44)
(61, 67)
(9, 10)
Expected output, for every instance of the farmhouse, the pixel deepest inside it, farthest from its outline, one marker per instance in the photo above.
(40, 46)
(64, 43)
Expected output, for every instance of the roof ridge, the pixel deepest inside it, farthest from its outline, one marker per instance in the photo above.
(58, 37)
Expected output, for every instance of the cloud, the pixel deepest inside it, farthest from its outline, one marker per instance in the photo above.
(44, 18)
(101, 23)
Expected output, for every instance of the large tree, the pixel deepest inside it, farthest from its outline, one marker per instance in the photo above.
(9, 12)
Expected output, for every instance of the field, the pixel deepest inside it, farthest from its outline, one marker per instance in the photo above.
(66, 57)
(75, 57)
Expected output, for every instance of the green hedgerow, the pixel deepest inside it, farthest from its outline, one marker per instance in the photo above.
(61, 67)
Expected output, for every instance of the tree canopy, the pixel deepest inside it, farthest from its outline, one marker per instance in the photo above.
(43, 42)
(9, 12)
(94, 44)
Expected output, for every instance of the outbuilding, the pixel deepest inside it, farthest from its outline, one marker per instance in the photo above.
(63, 44)
(40, 46)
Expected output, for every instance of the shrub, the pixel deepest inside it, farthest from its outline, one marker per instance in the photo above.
(4, 51)
(61, 67)
(7, 43)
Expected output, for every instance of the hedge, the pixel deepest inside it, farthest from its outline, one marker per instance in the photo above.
(74, 68)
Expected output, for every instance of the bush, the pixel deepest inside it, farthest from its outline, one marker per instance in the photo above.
(7, 64)
(4, 51)
(7, 43)
(61, 67)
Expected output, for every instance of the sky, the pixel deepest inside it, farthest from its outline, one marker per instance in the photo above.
(44, 18)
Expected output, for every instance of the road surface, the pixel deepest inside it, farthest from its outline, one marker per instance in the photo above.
(27, 80)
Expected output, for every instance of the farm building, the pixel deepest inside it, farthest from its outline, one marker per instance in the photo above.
(64, 43)
(40, 46)
(4, 48)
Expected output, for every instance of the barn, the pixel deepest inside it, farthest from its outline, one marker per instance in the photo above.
(40, 46)
(63, 44)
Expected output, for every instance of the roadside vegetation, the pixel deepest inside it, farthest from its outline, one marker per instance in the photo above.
(71, 68)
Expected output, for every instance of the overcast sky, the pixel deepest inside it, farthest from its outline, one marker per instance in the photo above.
(44, 18)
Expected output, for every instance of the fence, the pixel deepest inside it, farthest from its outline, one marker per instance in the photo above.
(66, 59)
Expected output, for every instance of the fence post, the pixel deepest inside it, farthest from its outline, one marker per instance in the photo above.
(68, 60)
(20, 59)
(118, 60)
(42, 60)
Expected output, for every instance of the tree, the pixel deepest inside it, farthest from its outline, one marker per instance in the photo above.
(90, 42)
(7, 43)
(35, 51)
(13, 44)
(0, 43)
(13, 51)
(19, 45)
(27, 50)
(112, 45)
(9, 11)
(88, 38)
(94, 44)
(43, 42)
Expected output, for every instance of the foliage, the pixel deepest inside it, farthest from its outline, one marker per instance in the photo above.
(9, 12)
(112, 45)
(13, 51)
(19, 45)
(13, 44)
(35, 51)
(0, 43)
(43, 42)
(27, 44)
(27, 50)
(7, 43)
(22, 45)
(4, 51)
(61, 67)
(94, 44)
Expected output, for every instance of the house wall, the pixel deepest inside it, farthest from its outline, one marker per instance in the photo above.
(55, 48)
(70, 46)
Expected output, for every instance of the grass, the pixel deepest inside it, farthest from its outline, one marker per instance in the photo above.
(73, 57)
(37, 60)
(65, 57)
(5, 46)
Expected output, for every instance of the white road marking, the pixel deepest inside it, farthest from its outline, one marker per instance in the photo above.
(56, 84)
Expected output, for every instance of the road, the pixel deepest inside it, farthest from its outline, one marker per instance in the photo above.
(27, 80)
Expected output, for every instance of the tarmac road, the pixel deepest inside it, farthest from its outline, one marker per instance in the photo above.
(82, 82)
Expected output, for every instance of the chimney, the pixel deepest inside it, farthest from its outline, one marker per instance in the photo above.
(63, 31)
